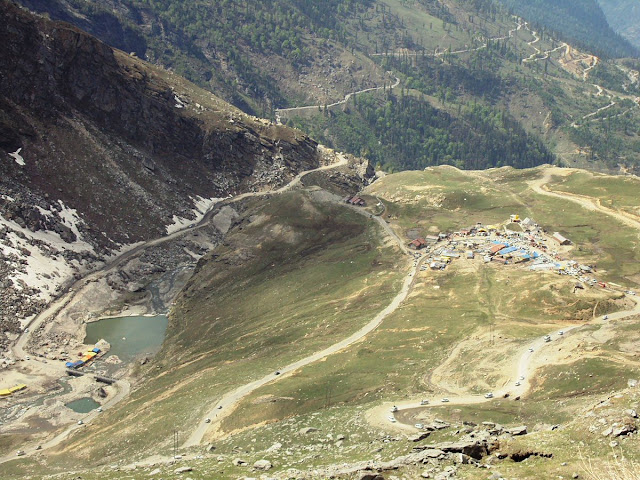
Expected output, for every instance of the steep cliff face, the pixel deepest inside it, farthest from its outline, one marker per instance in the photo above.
(99, 150)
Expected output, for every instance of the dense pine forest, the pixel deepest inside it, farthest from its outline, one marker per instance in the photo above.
(405, 132)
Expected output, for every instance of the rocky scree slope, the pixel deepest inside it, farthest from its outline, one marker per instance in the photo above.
(99, 150)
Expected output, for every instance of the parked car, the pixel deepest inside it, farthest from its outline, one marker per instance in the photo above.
(419, 426)
(424, 402)
(445, 400)
(488, 395)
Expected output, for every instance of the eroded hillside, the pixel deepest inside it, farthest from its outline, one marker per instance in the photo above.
(100, 151)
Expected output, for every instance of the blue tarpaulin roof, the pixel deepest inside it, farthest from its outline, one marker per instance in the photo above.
(507, 250)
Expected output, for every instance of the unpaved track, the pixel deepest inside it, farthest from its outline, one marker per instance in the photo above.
(78, 287)
(346, 98)
(229, 402)
(541, 187)
(533, 356)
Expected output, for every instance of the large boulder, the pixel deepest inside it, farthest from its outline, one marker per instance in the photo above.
(262, 465)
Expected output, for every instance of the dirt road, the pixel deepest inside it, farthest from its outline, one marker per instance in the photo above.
(541, 187)
(55, 370)
(346, 98)
(537, 354)
(229, 402)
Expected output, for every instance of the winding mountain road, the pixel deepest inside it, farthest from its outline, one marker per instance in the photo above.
(532, 356)
(229, 402)
(346, 98)
(55, 370)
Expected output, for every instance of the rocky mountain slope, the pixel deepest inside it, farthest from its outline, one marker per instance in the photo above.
(100, 151)
(256, 55)
(506, 56)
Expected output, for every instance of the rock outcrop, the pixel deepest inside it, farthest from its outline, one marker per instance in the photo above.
(99, 150)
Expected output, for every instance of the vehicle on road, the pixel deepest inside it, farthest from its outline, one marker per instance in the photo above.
(560, 332)
(207, 420)
(392, 419)
(277, 372)
(219, 407)
(424, 402)
(517, 384)
(80, 422)
(419, 426)
(547, 338)
(445, 400)
(20, 453)
(606, 317)
(531, 349)
(394, 409)
(488, 395)
(521, 377)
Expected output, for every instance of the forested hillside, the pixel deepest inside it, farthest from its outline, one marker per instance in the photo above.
(464, 61)
(624, 18)
(404, 132)
(580, 22)
(248, 51)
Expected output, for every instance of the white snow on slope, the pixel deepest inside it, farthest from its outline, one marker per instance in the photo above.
(40, 253)
(17, 157)
(202, 207)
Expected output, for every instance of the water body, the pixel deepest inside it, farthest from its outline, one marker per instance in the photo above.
(129, 337)
(82, 405)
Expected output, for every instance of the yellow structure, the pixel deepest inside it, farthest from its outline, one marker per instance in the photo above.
(9, 391)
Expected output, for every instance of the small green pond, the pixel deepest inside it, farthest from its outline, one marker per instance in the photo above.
(129, 336)
(82, 405)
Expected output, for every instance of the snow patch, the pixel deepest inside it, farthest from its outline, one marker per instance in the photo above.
(71, 219)
(202, 206)
(40, 263)
(17, 157)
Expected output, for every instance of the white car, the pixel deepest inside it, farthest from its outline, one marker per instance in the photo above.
(207, 420)
(606, 317)
(521, 377)
(560, 332)
(445, 400)
(392, 419)
(419, 426)
(531, 349)
(394, 409)
(517, 384)
(488, 395)
(424, 402)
